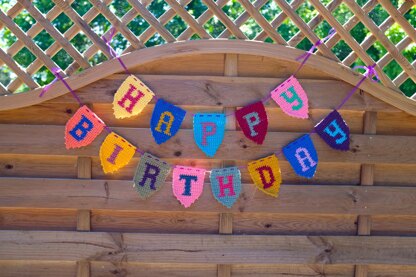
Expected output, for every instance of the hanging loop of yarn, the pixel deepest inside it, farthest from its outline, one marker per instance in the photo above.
(113, 53)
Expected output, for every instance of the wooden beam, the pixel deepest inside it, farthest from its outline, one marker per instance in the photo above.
(189, 248)
(293, 199)
(48, 140)
(83, 269)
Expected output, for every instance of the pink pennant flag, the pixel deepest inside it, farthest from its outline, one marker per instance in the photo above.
(187, 184)
(291, 98)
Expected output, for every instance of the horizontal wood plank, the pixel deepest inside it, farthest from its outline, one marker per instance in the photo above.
(193, 248)
(120, 195)
(227, 91)
(49, 140)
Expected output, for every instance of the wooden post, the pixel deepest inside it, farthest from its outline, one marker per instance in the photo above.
(84, 216)
(366, 179)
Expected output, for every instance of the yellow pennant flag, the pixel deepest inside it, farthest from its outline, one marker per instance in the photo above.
(266, 175)
(115, 153)
(131, 97)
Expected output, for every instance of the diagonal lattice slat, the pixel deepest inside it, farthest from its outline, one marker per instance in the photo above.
(158, 23)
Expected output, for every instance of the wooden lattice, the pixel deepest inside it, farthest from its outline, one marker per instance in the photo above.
(233, 29)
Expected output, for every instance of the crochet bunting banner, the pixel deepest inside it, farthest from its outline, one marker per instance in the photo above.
(82, 128)
(115, 153)
(187, 184)
(150, 175)
(253, 121)
(226, 185)
(266, 175)
(131, 97)
(166, 121)
(302, 156)
(209, 132)
(334, 131)
(291, 98)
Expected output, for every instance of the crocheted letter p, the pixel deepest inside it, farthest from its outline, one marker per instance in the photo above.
(187, 184)
(266, 175)
(209, 132)
(253, 121)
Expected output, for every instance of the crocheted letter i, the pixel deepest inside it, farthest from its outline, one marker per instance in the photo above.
(253, 121)
(302, 156)
(187, 184)
(131, 97)
(334, 131)
(209, 132)
(266, 175)
(226, 185)
(166, 120)
(150, 175)
(115, 153)
(291, 98)
(82, 128)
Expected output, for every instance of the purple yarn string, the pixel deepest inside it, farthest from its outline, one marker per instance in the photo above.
(305, 56)
(113, 53)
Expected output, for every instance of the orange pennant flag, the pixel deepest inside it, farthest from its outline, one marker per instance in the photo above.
(131, 97)
(266, 175)
(115, 153)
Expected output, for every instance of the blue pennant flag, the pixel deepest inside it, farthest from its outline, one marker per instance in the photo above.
(166, 120)
(302, 156)
(226, 185)
(209, 132)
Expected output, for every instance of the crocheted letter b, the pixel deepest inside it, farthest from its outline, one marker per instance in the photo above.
(334, 131)
(187, 184)
(226, 185)
(82, 128)
(166, 120)
(150, 175)
(291, 98)
(266, 175)
(209, 132)
(302, 156)
(115, 153)
(253, 121)
(131, 97)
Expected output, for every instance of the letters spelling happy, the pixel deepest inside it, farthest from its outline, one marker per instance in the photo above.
(131, 97)
(187, 184)
(266, 175)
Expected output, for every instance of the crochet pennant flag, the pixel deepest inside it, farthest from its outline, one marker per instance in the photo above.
(291, 98)
(226, 185)
(131, 97)
(150, 175)
(209, 132)
(334, 131)
(166, 120)
(115, 153)
(266, 175)
(253, 121)
(82, 128)
(187, 184)
(302, 156)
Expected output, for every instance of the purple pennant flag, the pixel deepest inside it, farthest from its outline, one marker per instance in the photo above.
(334, 131)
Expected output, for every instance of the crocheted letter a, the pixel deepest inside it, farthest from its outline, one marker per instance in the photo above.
(302, 156)
(187, 184)
(226, 185)
(291, 98)
(253, 121)
(266, 175)
(131, 97)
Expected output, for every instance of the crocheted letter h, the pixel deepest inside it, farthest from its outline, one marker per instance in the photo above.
(334, 131)
(209, 132)
(131, 97)
(115, 153)
(226, 185)
(82, 128)
(187, 184)
(253, 121)
(266, 175)
(291, 98)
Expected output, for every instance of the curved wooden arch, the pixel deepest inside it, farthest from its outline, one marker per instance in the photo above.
(187, 48)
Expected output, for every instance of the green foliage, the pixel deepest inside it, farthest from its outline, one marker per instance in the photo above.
(214, 27)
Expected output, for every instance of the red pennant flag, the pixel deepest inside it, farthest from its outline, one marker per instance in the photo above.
(82, 128)
(253, 121)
